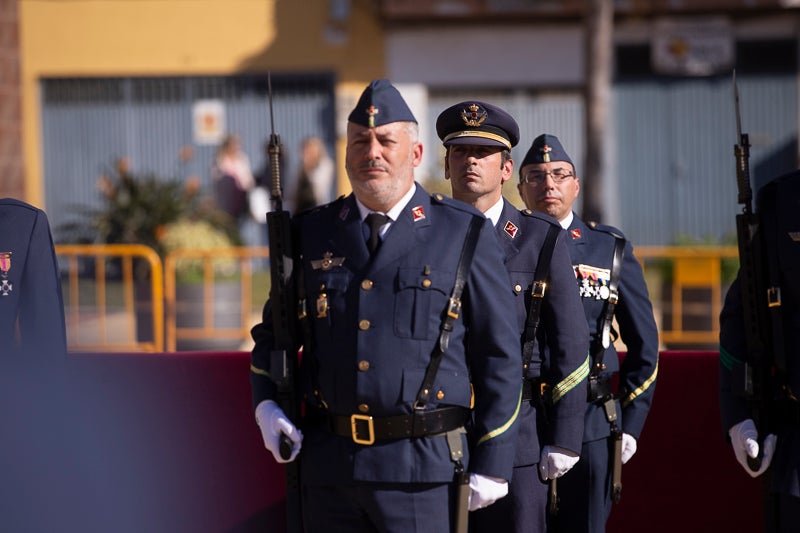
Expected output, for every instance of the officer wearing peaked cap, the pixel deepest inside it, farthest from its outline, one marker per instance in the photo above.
(611, 284)
(379, 451)
(478, 138)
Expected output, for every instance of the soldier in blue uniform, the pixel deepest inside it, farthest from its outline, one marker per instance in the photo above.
(33, 347)
(779, 232)
(370, 461)
(478, 138)
(609, 285)
(31, 305)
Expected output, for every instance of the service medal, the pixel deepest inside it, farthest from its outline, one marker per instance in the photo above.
(5, 266)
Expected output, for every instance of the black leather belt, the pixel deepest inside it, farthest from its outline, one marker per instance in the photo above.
(366, 429)
(532, 389)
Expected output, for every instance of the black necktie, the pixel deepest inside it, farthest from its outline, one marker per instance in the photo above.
(375, 221)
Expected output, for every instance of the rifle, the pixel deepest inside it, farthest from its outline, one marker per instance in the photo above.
(284, 312)
(753, 377)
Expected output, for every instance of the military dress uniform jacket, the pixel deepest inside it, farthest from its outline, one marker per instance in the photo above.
(561, 355)
(778, 205)
(592, 251)
(31, 305)
(373, 344)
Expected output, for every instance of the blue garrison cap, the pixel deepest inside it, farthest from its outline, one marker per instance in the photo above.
(478, 123)
(380, 104)
(546, 148)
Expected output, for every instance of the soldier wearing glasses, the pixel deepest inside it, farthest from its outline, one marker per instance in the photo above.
(611, 285)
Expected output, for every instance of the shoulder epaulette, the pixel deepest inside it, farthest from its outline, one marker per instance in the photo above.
(441, 199)
(611, 230)
(320, 208)
(541, 216)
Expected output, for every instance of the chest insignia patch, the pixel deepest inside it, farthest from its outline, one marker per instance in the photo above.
(326, 262)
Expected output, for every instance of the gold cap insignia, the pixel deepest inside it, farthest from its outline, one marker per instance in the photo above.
(474, 115)
(372, 111)
(546, 153)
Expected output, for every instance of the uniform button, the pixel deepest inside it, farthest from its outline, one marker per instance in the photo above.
(426, 283)
(440, 395)
(363, 325)
(364, 408)
(517, 288)
(366, 284)
(363, 366)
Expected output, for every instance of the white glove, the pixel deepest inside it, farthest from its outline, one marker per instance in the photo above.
(628, 447)
(485, 490)
(744, 438)
(556, 461)
(273, 422)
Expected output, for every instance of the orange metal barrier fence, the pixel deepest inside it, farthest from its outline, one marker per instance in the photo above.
(210, 299)
(687, 287)
(100, 301)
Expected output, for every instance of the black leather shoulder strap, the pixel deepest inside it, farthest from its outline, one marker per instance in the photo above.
(611, 303)
(538, 289)
(453, 311)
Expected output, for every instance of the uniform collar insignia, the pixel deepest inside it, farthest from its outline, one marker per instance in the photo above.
(343, 213)
(418, 213)
(326, 262)
(575, 233)
(510, 229)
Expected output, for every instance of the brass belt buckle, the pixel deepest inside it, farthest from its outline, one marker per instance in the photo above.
(454, 308)
(538, 289)
(354, 420)
(774, 297)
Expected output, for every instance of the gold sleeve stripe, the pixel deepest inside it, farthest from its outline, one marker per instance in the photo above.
(646, 385)
(258, 371)
(571, 381)
(502, 429)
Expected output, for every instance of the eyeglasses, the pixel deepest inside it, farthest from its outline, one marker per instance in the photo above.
(559, 175)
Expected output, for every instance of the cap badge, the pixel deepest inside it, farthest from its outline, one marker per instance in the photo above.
(372, 111)
(418, 213)
(546, 153)
(575, 233)
(795, 236)
(510, 229)
(5, 266)
(473, 115)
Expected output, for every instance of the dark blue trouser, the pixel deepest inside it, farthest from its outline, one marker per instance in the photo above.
(522, 511)
(378, 508)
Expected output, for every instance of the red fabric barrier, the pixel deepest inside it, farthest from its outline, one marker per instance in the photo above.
(168, 443)
(684, 476)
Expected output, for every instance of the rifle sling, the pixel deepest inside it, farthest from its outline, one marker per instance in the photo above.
(538, 288)
(452, 312)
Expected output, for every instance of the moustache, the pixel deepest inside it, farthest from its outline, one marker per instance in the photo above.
(372, 164)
